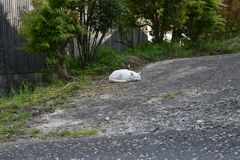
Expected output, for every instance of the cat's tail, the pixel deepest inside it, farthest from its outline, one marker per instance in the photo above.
(115, 80)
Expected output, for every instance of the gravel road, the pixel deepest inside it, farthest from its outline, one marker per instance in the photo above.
(181, 109)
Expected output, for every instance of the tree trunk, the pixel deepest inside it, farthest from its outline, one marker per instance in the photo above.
(162, 30)
(155, 27)
(62, 71)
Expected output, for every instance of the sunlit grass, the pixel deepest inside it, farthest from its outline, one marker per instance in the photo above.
(84, 132)
(78, 133)
(170, 95)
(34, 133)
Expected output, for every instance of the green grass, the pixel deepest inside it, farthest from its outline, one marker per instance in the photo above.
(212, 47)
(84, 132)
(59, 101)
(78, 133)
(46, 136)
(34, 133)
(64, 133)
(17, 108)
(170, 95)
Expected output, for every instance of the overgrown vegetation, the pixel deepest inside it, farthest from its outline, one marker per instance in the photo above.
(52, 24)
(50, 27)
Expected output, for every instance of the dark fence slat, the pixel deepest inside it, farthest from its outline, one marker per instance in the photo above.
(16, 64)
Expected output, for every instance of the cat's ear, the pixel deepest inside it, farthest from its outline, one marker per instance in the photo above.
(139, 73)
(132, 74)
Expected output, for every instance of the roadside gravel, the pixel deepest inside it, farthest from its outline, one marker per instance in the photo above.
(168, 145)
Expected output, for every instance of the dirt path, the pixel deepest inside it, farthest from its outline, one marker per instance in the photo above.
(180, 94)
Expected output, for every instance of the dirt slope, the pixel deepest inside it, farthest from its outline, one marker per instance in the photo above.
(178, 94)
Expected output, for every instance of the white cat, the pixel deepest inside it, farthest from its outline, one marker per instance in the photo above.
(124, 75)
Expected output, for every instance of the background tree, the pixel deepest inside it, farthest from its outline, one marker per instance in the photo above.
(98, 18)
(197, 16)
(53, 23)
(147, 11)
(130, 28)
(160, 15)
(174, 18)
(203, 17)
(48, 29)
(231, 14)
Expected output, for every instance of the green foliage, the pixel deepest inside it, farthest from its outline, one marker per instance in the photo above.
(60, 3)
(70, 87)
(110, 58)
(160, 15)
(47, 29)
(57, 83)
(231, 15)
(106, 13)
(46, 136)
(155, 52)
(35, 132)
(65, 133)
(14, 128)
(84, 132)
(233, 44)
(25, 87)
(59, 101)
(25, 115)
(202, 16)
(211, 47)
(78, 133)
(107, 60)
(99, 17)
(2, 94)
(195, 16)
(170, 95)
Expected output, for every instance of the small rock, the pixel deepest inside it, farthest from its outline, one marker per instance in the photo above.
(237, 107)
(130, 131)
(35, 112)
(154, 129)
(200, 121)
(107, 118)
(238, 111)
(153, 119)
(187, 104)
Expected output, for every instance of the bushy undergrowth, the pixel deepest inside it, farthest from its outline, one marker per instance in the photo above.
(107, 60)
(155, 52)
(16, 108)
(205, 47)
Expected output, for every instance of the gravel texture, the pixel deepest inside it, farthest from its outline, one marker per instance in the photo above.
(181, 109)
(168, 145)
